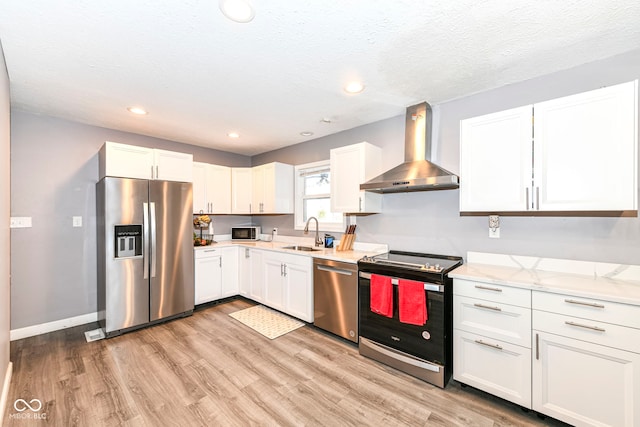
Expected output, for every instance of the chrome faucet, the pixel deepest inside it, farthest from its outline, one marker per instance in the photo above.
(306, 230)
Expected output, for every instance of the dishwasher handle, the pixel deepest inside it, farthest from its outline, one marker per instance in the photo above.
(334, 270)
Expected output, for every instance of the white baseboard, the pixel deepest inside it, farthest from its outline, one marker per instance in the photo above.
(5, 391)
(43, 328)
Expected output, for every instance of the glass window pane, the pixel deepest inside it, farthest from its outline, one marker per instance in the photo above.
(317, 184)
(321, 209)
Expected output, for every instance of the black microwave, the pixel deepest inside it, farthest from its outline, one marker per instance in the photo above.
(250, 232)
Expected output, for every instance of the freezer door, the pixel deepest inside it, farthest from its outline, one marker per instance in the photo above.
(123, 289)
(171, 260)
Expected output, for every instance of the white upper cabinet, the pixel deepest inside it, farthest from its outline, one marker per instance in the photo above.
(241, 190)
(351, 166)
(211, 188)
(495, 161)
(579, 154)
(129, 161)
(585, 151)
(264, 189)
(173, 166)
(272, 188)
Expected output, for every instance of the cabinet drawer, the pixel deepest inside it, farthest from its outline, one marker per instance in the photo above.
(494, 366)
(492, 292)
(606, 334)
(587, 308)
(206, 253)
(499, 321)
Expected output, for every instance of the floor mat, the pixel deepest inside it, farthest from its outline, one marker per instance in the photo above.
(266, 321)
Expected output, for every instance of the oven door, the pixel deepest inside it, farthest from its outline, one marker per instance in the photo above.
(426, 342)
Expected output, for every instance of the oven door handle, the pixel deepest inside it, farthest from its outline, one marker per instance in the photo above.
(399, 356)
(434, 287)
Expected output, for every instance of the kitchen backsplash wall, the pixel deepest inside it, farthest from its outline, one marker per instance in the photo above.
(430, 221)
(54, 169)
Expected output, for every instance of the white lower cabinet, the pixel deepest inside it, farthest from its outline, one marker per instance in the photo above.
(495, 366)
(244, 271)
(208, 275)
(215, 273)
(585, 384)
(230, 284)
(492, 338)
(288, 284)
(586, 364)
(256, 284)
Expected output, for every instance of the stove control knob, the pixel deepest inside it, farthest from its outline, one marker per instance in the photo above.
(437, 266)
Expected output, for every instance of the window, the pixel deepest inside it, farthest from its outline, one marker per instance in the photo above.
(313, 197)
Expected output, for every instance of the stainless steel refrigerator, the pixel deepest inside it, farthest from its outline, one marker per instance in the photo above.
(145, 252)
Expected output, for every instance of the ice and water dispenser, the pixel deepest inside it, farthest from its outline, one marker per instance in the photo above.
(128, 241)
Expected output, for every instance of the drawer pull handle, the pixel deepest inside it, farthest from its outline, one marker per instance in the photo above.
(488, 307)
(487, 288)
(589, 304)
(594, 328)
(496, 346)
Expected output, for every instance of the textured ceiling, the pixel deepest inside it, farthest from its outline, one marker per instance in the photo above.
(200, 75)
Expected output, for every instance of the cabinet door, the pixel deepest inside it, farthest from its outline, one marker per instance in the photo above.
(208, 278)
(585, 384)
(173, 166)
(495, 161)
(199, 188)
(256, 284)
(244, 271)
(274, 284)
(257, 189)
(229, 283)
(586, 150)
(241, 190)
(351, 166)
(218, 189)
(126, 161)
(298, 276)
(494, 366)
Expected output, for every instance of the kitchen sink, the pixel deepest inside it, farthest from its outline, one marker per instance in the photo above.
(301, 248)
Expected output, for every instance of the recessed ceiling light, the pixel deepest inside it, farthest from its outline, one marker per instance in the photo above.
(237, 10)
(325, 120)
(233, 135)
(306, 133)
(354, 87)
(137, 110)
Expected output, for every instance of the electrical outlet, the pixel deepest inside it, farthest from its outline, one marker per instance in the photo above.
(77, 221)
(494, 226)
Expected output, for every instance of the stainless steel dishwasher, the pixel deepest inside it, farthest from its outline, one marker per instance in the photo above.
(335, 293)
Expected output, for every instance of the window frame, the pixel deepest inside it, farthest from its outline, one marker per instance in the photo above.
(299, 222)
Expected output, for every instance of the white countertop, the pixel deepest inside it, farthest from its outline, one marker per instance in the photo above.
(359, 249)
(616, 283)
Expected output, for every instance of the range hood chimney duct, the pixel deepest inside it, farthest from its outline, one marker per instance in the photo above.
(417, 173)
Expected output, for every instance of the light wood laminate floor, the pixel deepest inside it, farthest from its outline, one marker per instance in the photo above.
(210, 370)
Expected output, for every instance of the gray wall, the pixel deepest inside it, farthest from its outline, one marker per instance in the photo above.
(5, 255)
(430, 221)
(54, 172)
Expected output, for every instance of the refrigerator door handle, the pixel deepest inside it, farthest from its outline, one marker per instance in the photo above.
(152, 224)
(145, 248)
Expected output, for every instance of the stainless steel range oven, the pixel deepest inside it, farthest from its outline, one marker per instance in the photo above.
(424, 351)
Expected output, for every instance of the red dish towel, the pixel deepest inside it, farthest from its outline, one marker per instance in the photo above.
(412, 302)
(381, 298)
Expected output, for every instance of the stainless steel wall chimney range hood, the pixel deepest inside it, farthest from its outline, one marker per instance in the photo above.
(417, 173)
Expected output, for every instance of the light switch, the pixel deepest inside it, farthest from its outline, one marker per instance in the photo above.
(20, 222)
(77, 221)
